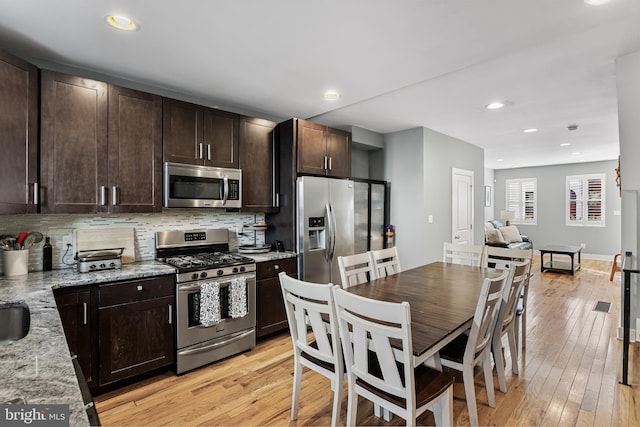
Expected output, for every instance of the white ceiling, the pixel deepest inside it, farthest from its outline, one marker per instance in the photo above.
(398, 64)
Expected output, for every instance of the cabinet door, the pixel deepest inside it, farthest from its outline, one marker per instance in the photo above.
(75, 311)
(258, 164)
(220, 138)
(182, 132)
(19, 135)
(270, 312)
(135, 151)
(136, 338)
(312, 147)
(73, 144)
(339, 153)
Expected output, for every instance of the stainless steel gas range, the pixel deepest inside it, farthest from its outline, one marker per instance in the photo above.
(216, 296)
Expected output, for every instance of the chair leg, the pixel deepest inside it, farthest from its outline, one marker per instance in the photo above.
(352, 407)
(496, 349)
(297, 379)
(488, 378)
(442, 408)
(470, 393)
(614, 267)
(337, 399)
(513, 349)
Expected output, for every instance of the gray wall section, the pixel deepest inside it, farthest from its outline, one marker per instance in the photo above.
(418, 163)
(489, 178)
(551, 227)
(359, 163)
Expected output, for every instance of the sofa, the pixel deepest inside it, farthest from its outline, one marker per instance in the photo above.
(498, 235)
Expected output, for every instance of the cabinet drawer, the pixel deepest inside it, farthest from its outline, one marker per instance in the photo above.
(273, 268)
(136, 290)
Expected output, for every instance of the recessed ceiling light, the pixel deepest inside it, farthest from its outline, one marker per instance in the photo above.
(495, 105)
(596, 2)
(565, 144)
(575, 153)
(121, 23)
(530, 130)
(332, 95)
(500, 160)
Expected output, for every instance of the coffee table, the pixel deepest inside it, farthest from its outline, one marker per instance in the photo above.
(560, 266)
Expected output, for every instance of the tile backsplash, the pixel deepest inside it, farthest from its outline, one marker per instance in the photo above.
(56, 226)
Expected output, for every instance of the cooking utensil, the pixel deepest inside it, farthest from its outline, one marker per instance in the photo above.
(32, 238)
(9, 243)
(20, 239)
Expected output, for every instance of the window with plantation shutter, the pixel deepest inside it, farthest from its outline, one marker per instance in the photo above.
(585, 200)
(522, 199)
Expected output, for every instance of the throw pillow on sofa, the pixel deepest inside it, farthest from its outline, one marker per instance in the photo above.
(510, 234)
(494, 236)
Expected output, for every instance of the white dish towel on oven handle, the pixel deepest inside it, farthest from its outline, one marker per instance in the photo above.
(238, 298)
(209, 304)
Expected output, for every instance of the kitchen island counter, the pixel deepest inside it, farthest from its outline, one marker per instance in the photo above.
(38, 367)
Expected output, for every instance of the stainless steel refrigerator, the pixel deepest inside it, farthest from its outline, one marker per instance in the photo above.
(325, 227)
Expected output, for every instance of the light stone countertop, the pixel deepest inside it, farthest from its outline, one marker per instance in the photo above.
(270, 256)
(38, 367)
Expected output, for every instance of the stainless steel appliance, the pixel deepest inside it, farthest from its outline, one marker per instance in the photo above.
(99, 259)
(325, 226)
(201, 256)
(192, 186)
(371, 214)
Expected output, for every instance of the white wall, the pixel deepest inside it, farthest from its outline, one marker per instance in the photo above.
(628, 82)
(418, 163)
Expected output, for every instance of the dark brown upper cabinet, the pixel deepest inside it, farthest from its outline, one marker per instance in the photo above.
(101, 147)
(197, 135)
(135, 150)
(18, 135)
(323, 150)
(258, 164)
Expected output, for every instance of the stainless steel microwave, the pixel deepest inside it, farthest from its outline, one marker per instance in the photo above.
(192, 186)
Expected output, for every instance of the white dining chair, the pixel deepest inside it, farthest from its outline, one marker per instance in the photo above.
(507, 321)
(466, 352)
(463, 254)
(385, 374)
(385, 261)
(311, 305)
(356, 269)
(499, 257)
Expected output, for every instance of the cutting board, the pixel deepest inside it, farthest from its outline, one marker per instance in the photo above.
(107, 238)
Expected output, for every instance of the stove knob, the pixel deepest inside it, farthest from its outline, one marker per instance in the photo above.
(220, 272)
(92, 267)
(203, 275)
(242, 269)
(235, 269)
(103, 265)
(194, 276)
(113, 264)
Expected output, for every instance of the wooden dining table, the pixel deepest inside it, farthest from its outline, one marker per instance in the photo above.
(442, 296)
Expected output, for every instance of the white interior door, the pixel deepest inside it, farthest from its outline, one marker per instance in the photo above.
(462, 206)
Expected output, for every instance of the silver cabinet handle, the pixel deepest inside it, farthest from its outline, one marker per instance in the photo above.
(276, 267)
(201, 148)
(325, 162)
(170, 314)
(329, 163)
(114, 195)
(139, 287)
(208, 151)
(84, 313)
(35, 193)
(103, 195)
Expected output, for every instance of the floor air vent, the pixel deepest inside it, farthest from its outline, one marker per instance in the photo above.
(602, 306)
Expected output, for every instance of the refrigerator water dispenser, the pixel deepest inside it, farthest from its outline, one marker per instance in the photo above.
(316, 233)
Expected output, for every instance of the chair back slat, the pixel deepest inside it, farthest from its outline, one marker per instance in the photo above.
(518, 275)
(385, 261)
(462, 254)
(356, 269)
(485, 317)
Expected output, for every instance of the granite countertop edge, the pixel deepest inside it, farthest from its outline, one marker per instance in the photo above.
(38, 367)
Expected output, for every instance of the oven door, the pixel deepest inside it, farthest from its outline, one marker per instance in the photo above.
(191, 186)
(189, 329)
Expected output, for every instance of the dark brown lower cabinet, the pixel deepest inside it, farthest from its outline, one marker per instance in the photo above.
(270, 313)
(78, 321)
(136, 327)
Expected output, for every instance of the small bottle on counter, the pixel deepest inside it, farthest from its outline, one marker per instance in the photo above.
(47, 255)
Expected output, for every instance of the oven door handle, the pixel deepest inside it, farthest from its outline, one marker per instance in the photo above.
(223, 283)
(226, 190)
(232, 338)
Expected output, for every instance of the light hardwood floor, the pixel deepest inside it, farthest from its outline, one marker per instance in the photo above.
(569, 374)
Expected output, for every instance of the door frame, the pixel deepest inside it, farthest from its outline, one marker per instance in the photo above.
(471, 204)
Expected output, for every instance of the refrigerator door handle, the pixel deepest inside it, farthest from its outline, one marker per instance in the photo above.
(332, 220)
(327, 251)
